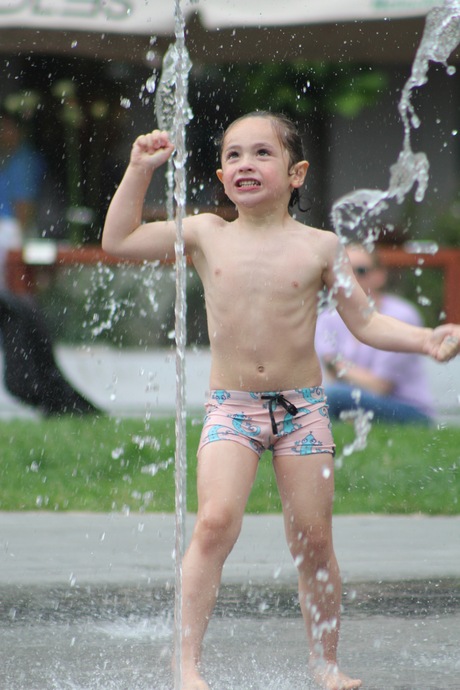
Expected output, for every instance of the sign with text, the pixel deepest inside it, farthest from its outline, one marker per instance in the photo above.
(157, 16)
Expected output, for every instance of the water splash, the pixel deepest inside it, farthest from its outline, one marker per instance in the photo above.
(353, 215)
(173, 87)
(173, 80)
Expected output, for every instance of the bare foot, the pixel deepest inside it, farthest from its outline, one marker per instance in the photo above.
(328, 677)
(192, 680)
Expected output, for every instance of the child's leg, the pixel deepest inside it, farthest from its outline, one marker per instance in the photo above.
(306, 486)
(226, 472)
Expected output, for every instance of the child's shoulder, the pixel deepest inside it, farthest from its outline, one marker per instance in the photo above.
(198, 228)
(205, 221)
(324, 239)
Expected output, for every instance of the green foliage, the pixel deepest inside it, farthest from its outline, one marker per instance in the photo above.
(446, 231)
(302, 89)
(424, 287)
(106, 464)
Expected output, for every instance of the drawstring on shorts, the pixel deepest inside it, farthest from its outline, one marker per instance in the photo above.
(278, 399)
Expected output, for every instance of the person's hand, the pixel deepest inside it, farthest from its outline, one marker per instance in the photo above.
(444, 342)
(151, 150)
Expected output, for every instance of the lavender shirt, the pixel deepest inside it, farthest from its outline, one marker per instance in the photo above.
(405, 371)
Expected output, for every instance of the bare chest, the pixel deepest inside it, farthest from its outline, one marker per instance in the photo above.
(271, 273)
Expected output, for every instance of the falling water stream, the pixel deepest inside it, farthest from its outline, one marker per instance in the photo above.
(173, 114)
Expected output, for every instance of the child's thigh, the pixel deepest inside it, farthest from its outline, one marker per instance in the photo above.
(306, 487)
(226, 473)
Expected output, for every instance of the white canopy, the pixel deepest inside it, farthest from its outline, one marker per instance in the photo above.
(371, 31)
(156, 17)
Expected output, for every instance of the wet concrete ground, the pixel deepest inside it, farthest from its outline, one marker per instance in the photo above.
(85, 604)
(395, 636)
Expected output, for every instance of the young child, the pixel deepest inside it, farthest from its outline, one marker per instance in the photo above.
(262, 274)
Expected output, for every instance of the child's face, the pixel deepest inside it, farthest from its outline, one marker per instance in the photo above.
(369, 274)
(255, 164)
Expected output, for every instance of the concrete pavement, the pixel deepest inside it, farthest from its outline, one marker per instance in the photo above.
(85, 604)
(45, 548)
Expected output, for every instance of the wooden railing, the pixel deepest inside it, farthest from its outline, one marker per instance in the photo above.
(445, 259)
(21, 275)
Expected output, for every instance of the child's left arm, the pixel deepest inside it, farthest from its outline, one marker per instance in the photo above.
(381, 331)
(387, 333)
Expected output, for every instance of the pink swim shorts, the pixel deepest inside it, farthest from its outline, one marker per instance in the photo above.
(287, 423)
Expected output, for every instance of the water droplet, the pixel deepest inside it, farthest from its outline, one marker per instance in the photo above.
(424, 301)
(322, 575)
(277, 573)
(151, 84)
(421, 247)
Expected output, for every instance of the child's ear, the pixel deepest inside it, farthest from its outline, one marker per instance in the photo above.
(298, 173)
(220, 174)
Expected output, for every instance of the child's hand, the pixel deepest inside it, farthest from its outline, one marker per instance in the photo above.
(151, 150)
(445, 342)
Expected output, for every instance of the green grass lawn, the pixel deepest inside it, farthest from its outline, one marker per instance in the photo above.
(105, 464)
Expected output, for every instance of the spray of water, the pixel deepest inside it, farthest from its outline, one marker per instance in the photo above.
(355, 211)
(355, 215)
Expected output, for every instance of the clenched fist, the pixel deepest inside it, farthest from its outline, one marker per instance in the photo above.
(151, 150)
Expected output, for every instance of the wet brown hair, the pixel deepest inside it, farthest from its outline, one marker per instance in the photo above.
(288, 135)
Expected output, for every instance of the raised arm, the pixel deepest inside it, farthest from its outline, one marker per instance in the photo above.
(124, 233)
(379, 330)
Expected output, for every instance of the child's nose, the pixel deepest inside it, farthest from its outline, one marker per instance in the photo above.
(246, 162)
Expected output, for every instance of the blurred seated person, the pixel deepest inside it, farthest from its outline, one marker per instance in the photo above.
(22, 171)
(30, 372)
(392, 385)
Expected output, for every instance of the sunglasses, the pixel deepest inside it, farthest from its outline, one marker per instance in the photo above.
(362, 270)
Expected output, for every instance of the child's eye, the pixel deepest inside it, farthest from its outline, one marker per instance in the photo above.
(263, 152)
(231, 154)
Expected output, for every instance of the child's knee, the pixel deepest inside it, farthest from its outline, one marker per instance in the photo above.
(312, 546)
(217, 527)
